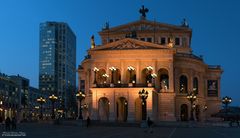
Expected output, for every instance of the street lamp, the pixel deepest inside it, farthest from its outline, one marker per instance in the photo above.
(226, 100)
(85, 106)
(80, 96)
(112, 70)
(41, 101)
(1, 109)
(143, 95)
(130, 69)
(191, 97)
(53, 99)
(205, 107)
(95, 74)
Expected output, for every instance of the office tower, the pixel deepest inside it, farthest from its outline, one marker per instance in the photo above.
(57, 61)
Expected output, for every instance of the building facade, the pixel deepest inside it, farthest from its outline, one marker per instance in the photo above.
(23, 98)
(9, 97)
(57, 62)
(153, 56)
(34, 106)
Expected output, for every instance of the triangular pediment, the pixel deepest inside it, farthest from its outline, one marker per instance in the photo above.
(128, 44)
(145, 25)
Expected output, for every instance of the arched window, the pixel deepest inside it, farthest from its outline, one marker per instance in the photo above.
(146, 75)
(100, 78)
(183, 84)
(131, 75)
(195, 85)
(164, 79)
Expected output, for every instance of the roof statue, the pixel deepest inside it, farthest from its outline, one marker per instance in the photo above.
(143, 11)
(106, 26)
(185, 23)
(171, 41)
(92, 42)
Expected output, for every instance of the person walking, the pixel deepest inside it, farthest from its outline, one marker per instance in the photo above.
(88, 121)
(150, 125)
(1, 122)
(14, 123)
(7, 124)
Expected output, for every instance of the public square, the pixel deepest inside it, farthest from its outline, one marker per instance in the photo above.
(44, 130)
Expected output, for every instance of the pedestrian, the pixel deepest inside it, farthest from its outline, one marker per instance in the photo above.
(14, 123)
(150, 125)
(88, 121)
(7, 124)
(1, 122)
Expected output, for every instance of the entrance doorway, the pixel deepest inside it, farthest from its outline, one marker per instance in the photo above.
(103, 108)
(184, 112)
(122, 109)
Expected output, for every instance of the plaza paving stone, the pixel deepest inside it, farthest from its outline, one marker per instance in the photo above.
(44, 130)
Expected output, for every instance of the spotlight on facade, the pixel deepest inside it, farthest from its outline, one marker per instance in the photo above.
(154, 75)
(105, 75)
(95, 69)
(130, 68)
(149, 68)
(112, 68)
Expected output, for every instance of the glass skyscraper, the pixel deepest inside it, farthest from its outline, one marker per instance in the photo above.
(57, 61)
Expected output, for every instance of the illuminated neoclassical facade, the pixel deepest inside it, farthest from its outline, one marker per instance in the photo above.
(153, 56)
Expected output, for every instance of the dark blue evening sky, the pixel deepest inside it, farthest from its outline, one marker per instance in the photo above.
(215, 25)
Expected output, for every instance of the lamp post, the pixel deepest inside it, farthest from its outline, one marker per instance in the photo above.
(205, 107)
(112, 70)
(1, 108)
(80, 96)
(95, 74)
(226, 100)
(191, 97)
(53, 99)
(41, 101)
(143, 95)
(130, 69)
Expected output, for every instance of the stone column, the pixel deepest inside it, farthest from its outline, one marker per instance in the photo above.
(123, 75)
(171, 77)
(112, 112)
(94, 112)
(138, 72)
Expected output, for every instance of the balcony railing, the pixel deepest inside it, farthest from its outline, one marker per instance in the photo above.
(214, 66)
(108, 85)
